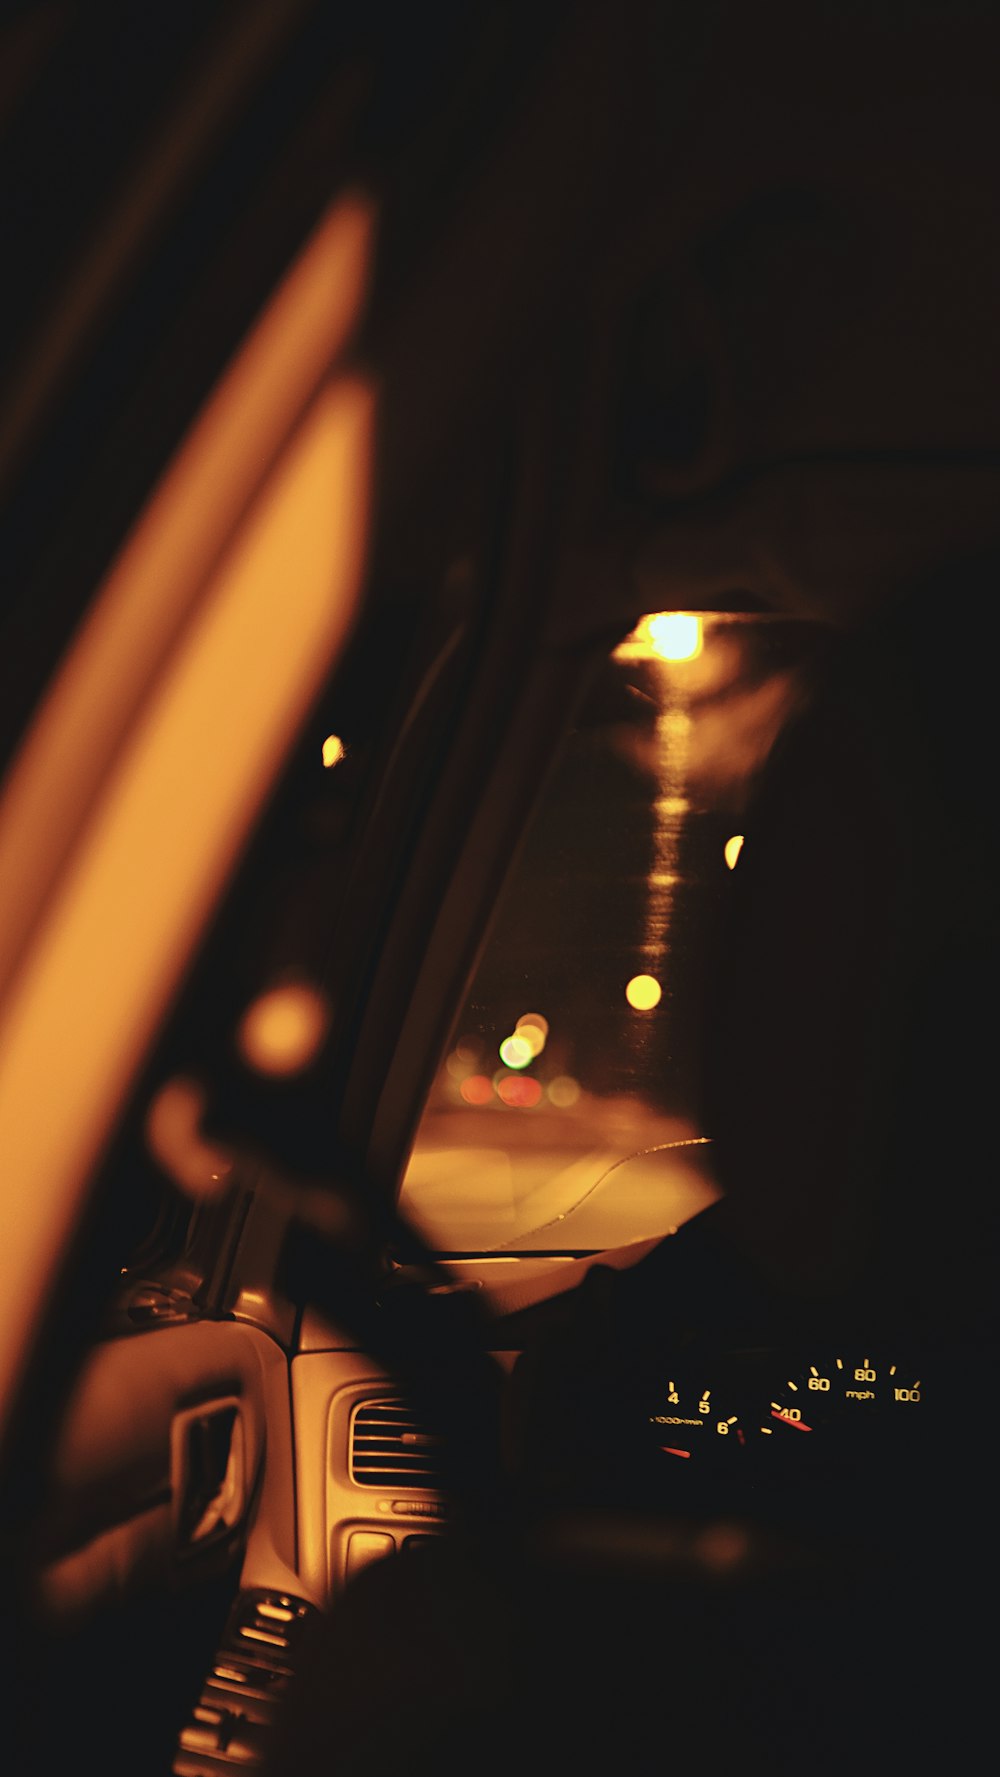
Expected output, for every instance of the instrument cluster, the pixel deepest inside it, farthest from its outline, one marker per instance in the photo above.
(839, 1395)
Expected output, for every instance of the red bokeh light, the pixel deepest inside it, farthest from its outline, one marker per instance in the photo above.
(519, 1092)
(477, 1089)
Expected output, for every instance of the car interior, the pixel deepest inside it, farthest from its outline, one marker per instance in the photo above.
(497, 892)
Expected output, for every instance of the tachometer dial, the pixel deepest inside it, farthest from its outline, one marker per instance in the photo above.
(695, 1421)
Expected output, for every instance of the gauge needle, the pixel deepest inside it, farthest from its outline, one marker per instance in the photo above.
(668, 1450)
(796, 1424)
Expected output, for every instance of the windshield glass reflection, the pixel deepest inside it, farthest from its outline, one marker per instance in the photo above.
(564, 1114)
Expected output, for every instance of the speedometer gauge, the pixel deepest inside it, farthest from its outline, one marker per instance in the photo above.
(848, 1387)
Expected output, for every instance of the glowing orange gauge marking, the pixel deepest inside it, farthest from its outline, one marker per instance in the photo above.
(796, 1424)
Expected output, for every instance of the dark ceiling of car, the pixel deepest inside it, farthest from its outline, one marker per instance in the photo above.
(763, 240)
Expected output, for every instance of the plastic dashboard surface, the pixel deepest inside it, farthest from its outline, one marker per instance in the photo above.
(356, 1502)
(343, 1521)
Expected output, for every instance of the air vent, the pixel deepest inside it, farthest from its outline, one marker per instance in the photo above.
(388, 1448)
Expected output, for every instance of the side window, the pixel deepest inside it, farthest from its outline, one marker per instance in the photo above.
(577, 1047)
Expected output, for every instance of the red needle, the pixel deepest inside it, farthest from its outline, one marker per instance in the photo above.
(796, 1424)
(669, 1451)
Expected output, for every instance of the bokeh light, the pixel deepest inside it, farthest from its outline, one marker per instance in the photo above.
(643, 992)
(477, 1089)
(174, 1138)
(516, 1051)
(333, 750)
(563, 1091)
(520, 1091)
(281, 1032)
(534, 1029)
(732, 849)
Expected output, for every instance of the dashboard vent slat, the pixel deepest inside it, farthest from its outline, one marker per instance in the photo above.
(389, 1448)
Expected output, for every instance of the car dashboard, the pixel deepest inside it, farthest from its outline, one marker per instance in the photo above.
(737, 1483)
(841, 1437)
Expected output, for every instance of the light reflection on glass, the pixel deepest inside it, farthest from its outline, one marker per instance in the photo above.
(732, 849)
(333, 750)
(606, 924)
(669, 809)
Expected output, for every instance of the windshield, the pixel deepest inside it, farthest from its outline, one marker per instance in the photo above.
(564, 1114)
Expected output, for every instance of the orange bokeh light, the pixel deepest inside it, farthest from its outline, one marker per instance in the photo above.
(174, 1138)
(282, 1031)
